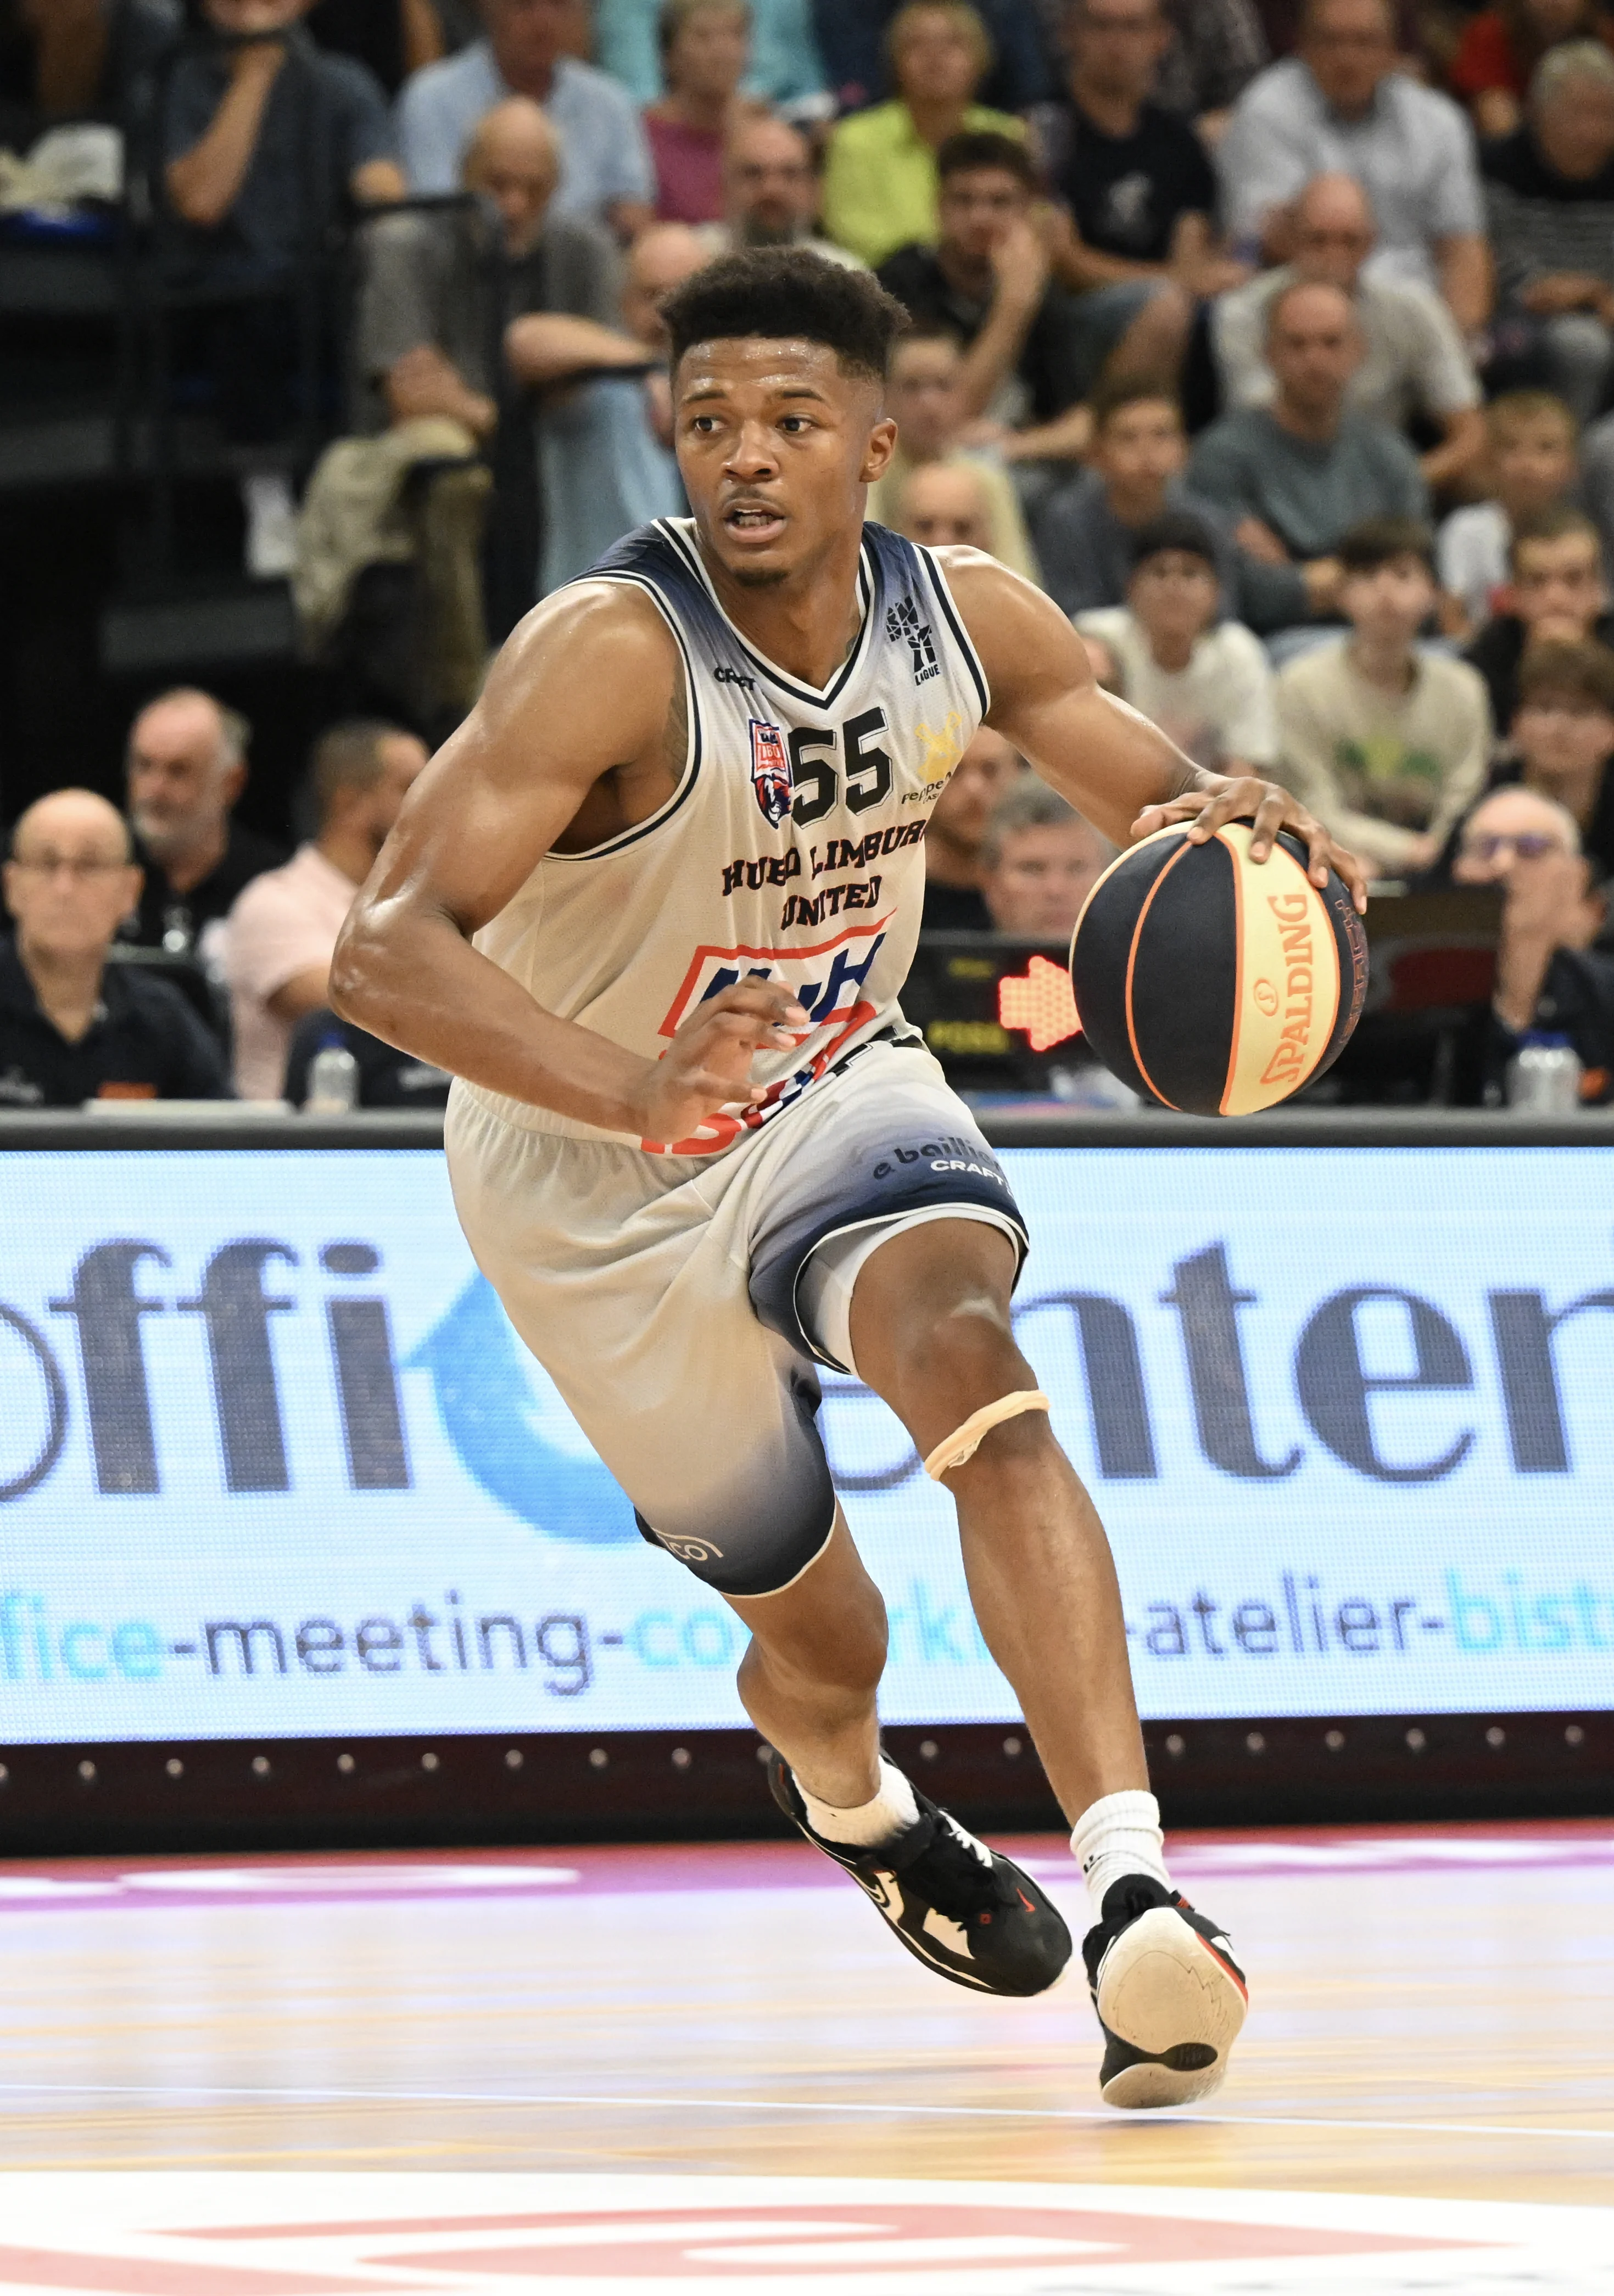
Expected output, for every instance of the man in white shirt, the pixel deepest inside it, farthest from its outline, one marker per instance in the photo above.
(284, 927)
(1414, 361)
(1205, 683)
(1341, 104)
(606, 172)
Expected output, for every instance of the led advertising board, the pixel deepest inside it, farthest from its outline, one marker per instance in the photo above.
(272, 1464)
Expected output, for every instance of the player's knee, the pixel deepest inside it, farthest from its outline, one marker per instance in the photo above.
(967, 1352)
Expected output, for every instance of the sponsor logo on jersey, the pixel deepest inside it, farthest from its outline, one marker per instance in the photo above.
(830, 980)
(724, 675)
(770, 771)
(940, 748)
(903, 622)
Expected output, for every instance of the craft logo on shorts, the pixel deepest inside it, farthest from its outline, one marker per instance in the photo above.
(689, 1549)
(903, 622)
(770, 771)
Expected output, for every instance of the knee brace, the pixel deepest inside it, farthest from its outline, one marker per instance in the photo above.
(965, 1441)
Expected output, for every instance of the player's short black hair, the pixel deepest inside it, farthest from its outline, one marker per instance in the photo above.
(1175, 529)
(788, 292)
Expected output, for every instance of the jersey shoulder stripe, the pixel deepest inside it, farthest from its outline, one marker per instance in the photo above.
(937, 583)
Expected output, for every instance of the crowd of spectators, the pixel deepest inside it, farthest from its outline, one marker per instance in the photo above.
(1276, 343)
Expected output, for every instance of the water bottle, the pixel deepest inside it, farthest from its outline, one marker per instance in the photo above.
(332, 1080)
(1544, 1076)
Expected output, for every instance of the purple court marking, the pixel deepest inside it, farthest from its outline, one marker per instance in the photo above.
(106, 1884)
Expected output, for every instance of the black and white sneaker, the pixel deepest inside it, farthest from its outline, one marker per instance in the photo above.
(1170, 1997)
(970, 1915)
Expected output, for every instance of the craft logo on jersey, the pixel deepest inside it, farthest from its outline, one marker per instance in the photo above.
(769, 772)
(903, 622)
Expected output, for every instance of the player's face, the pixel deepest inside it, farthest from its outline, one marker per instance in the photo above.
(776, 445)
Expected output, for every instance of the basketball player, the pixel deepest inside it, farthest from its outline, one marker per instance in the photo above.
(652, 905)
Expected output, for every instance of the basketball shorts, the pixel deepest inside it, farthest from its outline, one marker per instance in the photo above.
(681, 1304)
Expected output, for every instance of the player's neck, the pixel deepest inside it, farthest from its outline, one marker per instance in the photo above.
(808, 623)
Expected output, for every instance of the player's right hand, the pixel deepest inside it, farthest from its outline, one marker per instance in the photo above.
(707, 1066)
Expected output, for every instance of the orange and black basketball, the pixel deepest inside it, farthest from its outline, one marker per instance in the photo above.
(1212, 983)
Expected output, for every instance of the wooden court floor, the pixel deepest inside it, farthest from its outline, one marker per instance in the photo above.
(1433, 2019)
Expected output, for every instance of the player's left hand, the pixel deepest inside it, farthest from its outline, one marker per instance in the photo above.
(1272, 807)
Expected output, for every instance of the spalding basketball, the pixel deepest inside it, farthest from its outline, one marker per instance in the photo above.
(1212, 983)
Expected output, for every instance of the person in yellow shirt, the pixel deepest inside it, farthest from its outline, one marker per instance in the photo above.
(880, 185)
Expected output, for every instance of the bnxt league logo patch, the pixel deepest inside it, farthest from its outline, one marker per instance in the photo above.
(769, 772)
(903, 622)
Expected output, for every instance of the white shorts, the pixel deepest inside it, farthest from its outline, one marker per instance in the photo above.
(680, 1303)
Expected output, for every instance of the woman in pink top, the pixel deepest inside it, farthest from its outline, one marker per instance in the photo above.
(704, 46)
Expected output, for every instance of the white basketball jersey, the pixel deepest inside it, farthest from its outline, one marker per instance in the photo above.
(792, 848)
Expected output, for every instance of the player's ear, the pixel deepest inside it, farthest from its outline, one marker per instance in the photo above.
(882, 444)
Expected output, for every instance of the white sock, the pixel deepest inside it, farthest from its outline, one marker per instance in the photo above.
(1114, 1837)
(891, 1812)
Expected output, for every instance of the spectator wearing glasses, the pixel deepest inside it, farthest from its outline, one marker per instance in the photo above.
(284, 928)
(881, 185)
(186, 766)
(1564, 737)
(1414, 361)
(1343, 105)
(73, 1027)
(771, 193)
(606, 172)
(1549, 975)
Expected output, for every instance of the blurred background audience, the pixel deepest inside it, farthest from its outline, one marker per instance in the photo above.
(1205, 680)
(72, 1026)
(1219, 310)
(957, 829)
(282, 928)
(1039, 862)
(1385, 741)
